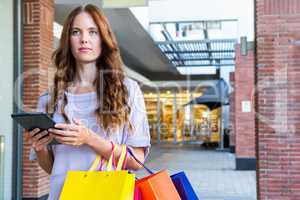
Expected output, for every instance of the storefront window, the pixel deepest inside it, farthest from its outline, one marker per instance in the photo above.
(173, 118)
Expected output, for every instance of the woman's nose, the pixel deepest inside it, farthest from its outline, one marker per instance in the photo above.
(84, 38)
(83, 41)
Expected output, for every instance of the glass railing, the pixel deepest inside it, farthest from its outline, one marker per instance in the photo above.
(1, 167)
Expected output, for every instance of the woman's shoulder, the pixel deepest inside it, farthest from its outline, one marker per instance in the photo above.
(44, 97)
(131, 84)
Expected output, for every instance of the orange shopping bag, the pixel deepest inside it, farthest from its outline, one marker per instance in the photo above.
(157, 186)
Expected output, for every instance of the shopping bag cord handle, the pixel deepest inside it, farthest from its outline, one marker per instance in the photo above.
(138, 161)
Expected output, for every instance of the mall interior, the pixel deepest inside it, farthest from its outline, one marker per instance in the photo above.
(220, 81)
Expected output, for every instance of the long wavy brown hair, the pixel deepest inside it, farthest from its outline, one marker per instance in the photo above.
(112, 94)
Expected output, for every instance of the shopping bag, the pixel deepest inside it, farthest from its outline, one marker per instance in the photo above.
(137, 194)
(93, 185)
(184, 187)
(157, 186)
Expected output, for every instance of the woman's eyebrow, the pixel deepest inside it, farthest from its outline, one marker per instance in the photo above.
(90, 28)
(93, 28)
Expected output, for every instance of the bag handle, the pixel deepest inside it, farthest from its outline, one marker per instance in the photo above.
(138, 161)
(95, 163)
(121, 159)
(98, 160)
(120, 164)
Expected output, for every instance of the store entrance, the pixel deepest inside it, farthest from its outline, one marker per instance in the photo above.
(182, 117)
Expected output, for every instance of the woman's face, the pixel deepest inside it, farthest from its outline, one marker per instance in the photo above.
(85, 39)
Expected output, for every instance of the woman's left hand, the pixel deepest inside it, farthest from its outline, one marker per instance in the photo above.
(71, 134)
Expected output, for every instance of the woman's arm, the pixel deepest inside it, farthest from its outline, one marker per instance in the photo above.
(77, 134)
(39, 141)
(45, 159)
(44, 156)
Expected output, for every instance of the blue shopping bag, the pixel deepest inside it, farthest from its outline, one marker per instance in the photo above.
(179, 180)
(183, 186)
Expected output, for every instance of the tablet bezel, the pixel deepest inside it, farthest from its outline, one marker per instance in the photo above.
(32, 120)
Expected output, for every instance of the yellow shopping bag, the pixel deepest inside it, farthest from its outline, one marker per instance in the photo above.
(104, 185)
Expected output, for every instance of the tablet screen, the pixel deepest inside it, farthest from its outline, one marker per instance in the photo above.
(31, 121)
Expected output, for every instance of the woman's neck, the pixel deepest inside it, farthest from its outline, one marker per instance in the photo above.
(85, 74)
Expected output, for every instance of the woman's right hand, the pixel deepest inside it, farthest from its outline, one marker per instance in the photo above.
(38, 144)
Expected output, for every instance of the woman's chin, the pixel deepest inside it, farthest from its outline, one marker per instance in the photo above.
(85, 60)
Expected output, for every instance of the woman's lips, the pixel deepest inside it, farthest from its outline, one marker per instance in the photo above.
(84, 49)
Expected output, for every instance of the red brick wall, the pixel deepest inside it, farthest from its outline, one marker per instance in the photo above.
(244, 121)
(38, 38)
(278, 89)
(232, 111)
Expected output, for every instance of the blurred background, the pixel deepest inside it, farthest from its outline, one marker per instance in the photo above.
(218, 79)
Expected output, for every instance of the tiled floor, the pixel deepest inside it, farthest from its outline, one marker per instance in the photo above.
(212, 173)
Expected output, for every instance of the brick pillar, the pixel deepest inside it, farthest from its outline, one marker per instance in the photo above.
(278, 98)
(38, 39)
(244, 118)
(232, 115)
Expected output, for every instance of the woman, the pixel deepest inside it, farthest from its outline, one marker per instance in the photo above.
(94, 105)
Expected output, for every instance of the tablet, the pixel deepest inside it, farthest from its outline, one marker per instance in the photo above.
(33, 120)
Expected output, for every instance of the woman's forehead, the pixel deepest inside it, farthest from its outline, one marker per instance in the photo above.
(84, 21)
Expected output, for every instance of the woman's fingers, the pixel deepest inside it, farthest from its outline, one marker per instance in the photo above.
(62, 132)
(39, 135)
(70, 134)
(34, 132)
(65, 140)
(29, 136)
(71, 127)
(58, 132)
(42, 143)
(39, 139)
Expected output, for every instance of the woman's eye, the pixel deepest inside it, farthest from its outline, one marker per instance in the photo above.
(75, 32)
(93, 32)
